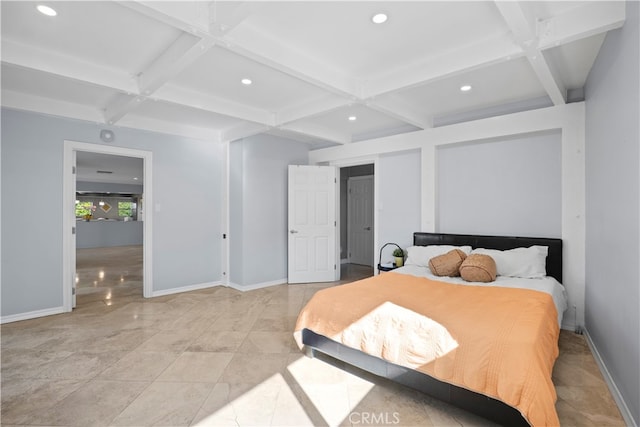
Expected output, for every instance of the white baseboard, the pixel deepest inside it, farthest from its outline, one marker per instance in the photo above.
(31, 315)
(243, 288)
(195, 287)
(615, 392)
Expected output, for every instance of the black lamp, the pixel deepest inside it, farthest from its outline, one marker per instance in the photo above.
(380, 266)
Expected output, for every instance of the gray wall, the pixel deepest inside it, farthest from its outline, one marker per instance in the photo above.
(187, 185)
(98, 234)
(507, 187)
(612, 207)
(258, 207)
(399, 200)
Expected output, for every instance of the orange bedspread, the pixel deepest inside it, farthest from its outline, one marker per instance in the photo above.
(506, 340)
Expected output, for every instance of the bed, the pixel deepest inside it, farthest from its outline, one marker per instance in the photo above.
(488, 348)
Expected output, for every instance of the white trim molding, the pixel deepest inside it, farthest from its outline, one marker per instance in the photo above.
(348, 162)
(188, 288)
(68, 222)
(252, 287)
(613, 388)
(31, 315)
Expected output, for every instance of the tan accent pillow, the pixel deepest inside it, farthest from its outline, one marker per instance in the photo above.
(447, 264)
(478, 268)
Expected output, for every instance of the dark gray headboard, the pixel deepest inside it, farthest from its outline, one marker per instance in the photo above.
(554, 257)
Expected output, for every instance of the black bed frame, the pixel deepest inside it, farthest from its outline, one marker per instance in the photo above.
(476, 403)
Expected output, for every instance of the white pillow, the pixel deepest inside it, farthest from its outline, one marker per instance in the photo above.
(528, 263)
(420, 255)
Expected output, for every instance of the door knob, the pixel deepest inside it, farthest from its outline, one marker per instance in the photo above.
(293, 231)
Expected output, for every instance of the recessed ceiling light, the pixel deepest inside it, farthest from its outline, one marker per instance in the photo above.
(246, 81)
(46, 10)
(465, 88)
(379, 18)
(352, 118)
(135, 178)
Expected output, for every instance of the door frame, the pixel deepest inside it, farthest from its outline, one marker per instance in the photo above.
(345, 163)
(69, 221)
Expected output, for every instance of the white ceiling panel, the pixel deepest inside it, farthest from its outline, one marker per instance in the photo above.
(219, 72)
(100, 32)
(165, 111)
(341, 34)
(176, 67)
(493, 85)
(366, 120)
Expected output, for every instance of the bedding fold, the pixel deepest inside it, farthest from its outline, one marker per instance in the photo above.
(500, 342)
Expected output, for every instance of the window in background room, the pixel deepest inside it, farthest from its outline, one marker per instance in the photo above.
(126, 209)
(84, 208)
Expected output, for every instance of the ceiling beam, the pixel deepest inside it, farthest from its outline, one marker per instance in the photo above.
(120, 105)
(39, 104)
(318, 131)
(173, 128)
(395, 107)
(245, 130)
(47, 61)
(182, 53)
(178, 95)
(523, 28)
(176, 58)
(190, 17)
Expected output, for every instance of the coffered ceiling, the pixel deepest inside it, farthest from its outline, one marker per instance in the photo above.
(177, 67)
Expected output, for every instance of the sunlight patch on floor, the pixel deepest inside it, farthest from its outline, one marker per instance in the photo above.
(313, 392)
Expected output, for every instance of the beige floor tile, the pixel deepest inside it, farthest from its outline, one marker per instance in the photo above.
(18, 363)
(219, 341)
(197, 367)
(139, 366)
(249, 369)
(306, 370)
(268, 342)
(241, 404)
(216, 410)
(22, 397)
(386, 403)
(331, 401)
(79, 366)
(596, 406)
(171, 341)
(96, 403)
(165, 404)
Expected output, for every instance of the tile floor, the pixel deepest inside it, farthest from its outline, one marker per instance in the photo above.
(221, 357)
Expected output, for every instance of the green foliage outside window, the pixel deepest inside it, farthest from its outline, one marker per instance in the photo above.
(126, 208)
(84, 208)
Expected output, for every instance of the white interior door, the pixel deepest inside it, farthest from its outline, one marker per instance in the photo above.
(360, 219)
(312, 224)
